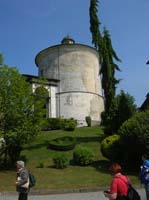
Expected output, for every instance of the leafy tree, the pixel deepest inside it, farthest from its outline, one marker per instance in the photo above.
(41, 98)
(126, 107)
(123, 108)
(133, 136)
(19, 124)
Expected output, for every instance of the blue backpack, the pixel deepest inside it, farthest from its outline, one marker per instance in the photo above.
(144, 175)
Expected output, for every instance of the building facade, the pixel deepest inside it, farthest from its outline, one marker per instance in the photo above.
(73, 81)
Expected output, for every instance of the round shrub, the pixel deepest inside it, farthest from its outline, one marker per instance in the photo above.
(63, 143)
(60, 161)
(83, 156)
(110, 147)
(69, 125)
(134, 133)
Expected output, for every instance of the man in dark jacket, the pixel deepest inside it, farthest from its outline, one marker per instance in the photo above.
(22, 181)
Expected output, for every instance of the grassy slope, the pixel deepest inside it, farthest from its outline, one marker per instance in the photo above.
(73, 177)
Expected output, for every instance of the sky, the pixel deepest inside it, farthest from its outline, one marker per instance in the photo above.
(29, 26)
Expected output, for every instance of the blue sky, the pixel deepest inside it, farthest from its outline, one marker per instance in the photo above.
(29, 26)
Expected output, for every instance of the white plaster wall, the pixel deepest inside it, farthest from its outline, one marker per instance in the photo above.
(79, 69)
(79, 91)
(53, 101)
(81, 105)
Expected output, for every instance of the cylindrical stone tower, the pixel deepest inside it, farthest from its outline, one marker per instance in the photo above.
(76, 66)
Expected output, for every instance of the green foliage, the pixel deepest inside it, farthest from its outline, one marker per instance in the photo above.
(126, 107)
(1, 59)
(94, 23)
(63, 143)
(107, 58)
(61, 161)
(69, 124)
(108, 68)
(110, 147)
(88, 121)
(73, 175)
(54, 123)
(83, 156)
(122, 108)
(41, 98)
(19, 123)
(61, 123)
(134, 133)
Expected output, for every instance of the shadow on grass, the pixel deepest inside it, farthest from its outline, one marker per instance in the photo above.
(102, 165)
(88, 139)
(36, 146)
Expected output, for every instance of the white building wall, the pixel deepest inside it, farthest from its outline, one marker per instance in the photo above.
(53, 101)
(79, 92)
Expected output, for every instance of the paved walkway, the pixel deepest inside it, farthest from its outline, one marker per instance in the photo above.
(69, 196)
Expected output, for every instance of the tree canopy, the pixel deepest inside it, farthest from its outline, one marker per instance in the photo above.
(19, 122)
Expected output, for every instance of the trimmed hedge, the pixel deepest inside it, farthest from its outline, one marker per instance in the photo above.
(61, 123)
(110, 147)
(63, 143)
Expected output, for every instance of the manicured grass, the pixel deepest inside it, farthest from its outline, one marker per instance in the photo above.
(73, 177)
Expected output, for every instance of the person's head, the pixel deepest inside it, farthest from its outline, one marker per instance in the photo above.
(20, 164)
(145, 156)
(115, 168)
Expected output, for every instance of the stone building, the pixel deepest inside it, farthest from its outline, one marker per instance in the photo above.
(72, 81)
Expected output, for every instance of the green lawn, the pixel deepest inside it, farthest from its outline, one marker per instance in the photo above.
(73, 177)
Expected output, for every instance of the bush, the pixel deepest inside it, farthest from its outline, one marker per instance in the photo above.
(60, 161)
(110, 147)
(69, 125)
(63, 143)
(54, 123)
(45, 125)
(61, 123)
(83, 156)
(134, 133)
(88, 121)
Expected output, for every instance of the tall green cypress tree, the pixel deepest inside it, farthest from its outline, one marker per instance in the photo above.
(108, 68)
(107, 58)
(94, 23)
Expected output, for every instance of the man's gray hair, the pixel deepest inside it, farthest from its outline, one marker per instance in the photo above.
(21, 163)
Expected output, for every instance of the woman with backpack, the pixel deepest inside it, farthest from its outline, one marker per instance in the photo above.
(22, 180)
(118, 188)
